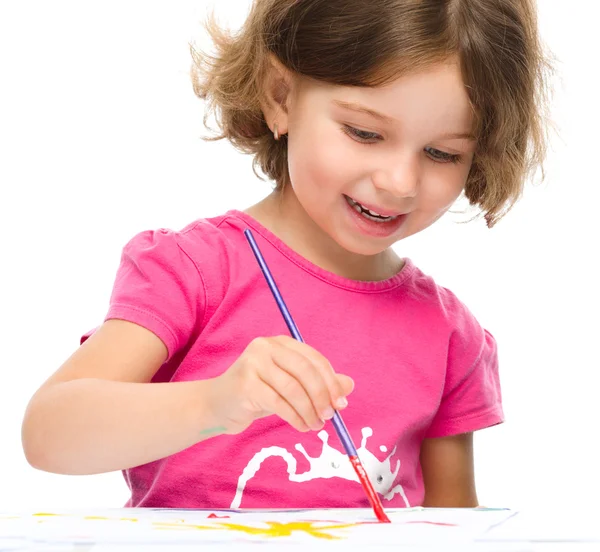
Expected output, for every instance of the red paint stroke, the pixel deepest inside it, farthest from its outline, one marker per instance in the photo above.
(368, 487)
(424, 522)
(433, 523)
(215, 516)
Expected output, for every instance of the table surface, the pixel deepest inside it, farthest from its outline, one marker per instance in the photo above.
(464, 530)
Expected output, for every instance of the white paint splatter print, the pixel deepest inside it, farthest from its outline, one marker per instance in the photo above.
(331, 463)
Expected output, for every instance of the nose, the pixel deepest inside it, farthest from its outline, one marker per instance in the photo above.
(399, 178)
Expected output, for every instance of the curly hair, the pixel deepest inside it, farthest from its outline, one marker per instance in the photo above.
(355, 43)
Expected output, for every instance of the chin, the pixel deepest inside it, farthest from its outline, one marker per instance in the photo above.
(361, 247)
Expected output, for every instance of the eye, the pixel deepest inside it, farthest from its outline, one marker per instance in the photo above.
(441, 156)
(362, 136)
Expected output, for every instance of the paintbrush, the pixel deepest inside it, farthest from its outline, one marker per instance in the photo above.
(337, 421)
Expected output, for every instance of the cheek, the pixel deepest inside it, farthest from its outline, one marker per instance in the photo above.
(443, 187)
(320, 156)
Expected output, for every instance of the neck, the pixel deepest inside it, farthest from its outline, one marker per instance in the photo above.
(282, 214)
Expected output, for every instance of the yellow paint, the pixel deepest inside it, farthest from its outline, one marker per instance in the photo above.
(277, 529)
(171, 525)
(274, 529)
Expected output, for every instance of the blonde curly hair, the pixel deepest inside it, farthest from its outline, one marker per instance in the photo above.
(356, 43)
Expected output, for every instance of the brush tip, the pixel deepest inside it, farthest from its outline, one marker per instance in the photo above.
(381, 515)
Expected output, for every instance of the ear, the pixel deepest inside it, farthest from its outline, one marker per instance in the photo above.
(277, 89)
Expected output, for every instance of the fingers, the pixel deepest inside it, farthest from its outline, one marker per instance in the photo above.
(338, 388)
(295, 382)
(302, 377)
(305, 393)
(278, 405)
(346, 383)
(302, 370)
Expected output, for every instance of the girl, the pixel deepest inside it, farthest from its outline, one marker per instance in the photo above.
(371, 118)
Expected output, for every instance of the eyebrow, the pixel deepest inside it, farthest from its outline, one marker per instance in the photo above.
(362, 109)
(462, 135)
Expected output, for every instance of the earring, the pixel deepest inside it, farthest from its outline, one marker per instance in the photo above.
(275, 131)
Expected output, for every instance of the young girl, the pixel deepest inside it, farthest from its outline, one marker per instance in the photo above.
(372, 118)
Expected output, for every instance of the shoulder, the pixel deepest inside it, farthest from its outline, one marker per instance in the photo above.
(201, 243)
(469, 395)
(204, 253)
(170, 281)
(440, 303)
(198, 235)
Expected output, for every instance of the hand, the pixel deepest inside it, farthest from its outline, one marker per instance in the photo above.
(281, 376)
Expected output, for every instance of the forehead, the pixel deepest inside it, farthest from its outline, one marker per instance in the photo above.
(432, 98)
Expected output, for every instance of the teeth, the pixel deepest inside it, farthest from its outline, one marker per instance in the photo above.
(371, 215)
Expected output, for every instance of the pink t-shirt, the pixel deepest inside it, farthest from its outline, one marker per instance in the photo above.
(422, 365)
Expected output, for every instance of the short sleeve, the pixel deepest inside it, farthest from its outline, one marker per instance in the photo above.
(471, 399)
(158, 286)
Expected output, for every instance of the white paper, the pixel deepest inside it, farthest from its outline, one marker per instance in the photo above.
(564, 525)
(290, 528)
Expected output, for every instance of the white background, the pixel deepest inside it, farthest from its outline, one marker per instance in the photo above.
(100, 138)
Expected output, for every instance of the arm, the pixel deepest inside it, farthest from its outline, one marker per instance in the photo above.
(448, 472)
(98, 412)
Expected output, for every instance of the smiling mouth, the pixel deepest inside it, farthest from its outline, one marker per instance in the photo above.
(371, 215)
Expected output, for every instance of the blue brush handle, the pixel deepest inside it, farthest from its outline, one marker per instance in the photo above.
(338, 423)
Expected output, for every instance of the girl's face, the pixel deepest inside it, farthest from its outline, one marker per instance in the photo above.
(402, 151)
